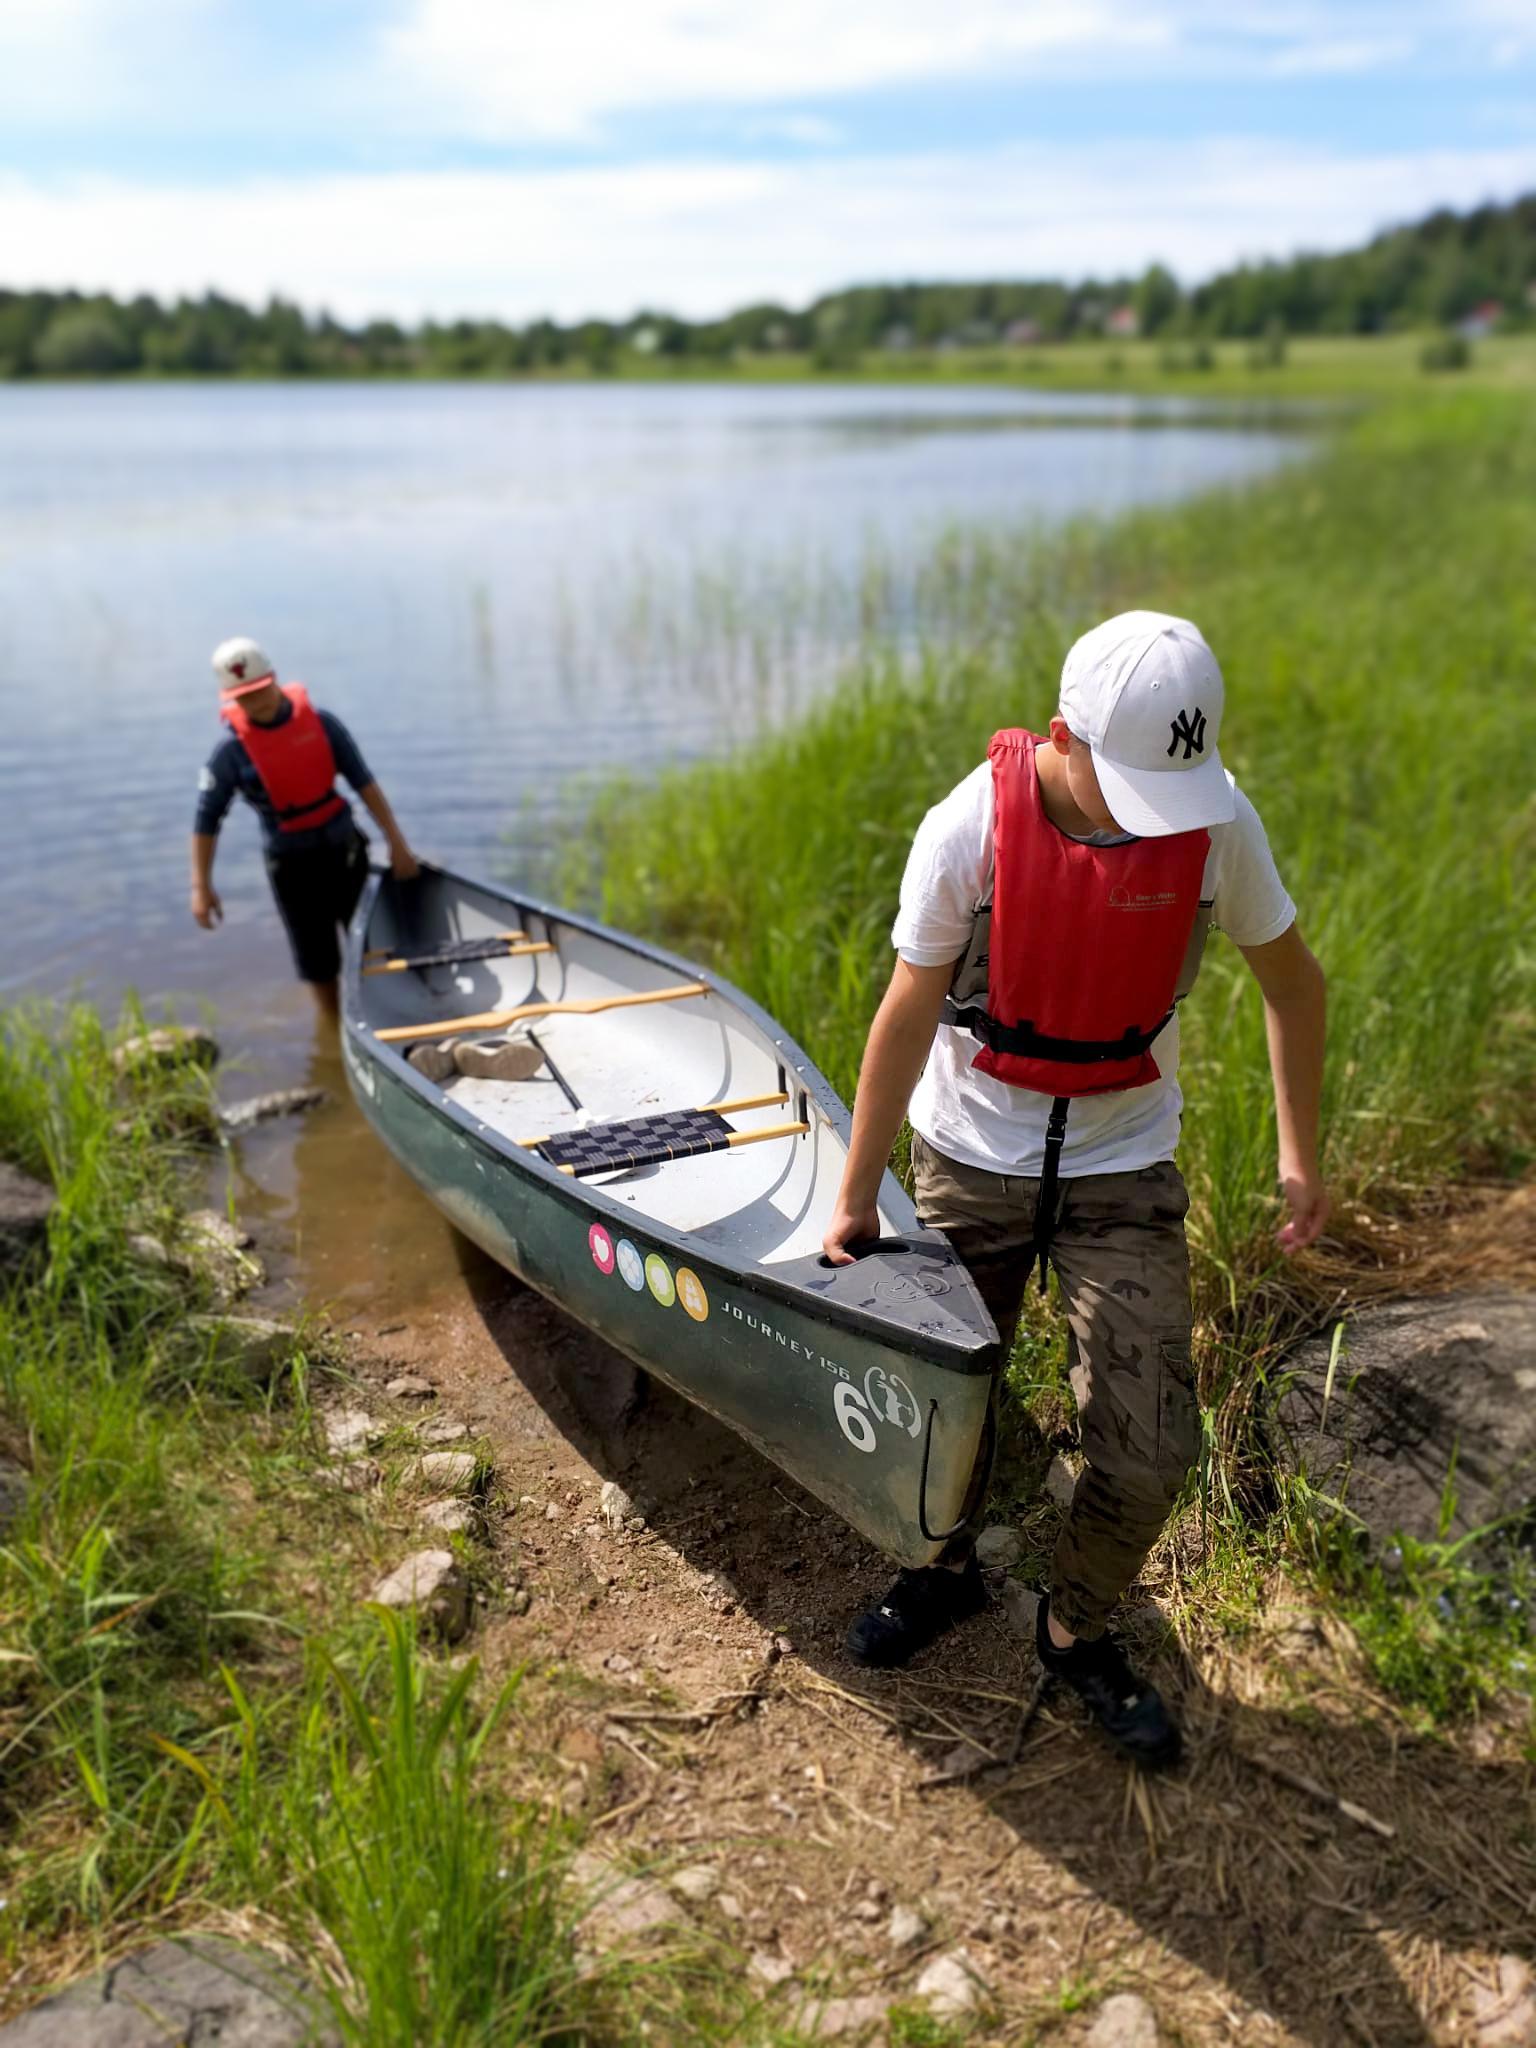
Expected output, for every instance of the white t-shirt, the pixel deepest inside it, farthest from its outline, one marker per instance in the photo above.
(984, 1122)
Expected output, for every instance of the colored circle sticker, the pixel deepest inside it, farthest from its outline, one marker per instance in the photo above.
(690, 1292)
(602, 1248)
(658, 1277)
(631, 1265)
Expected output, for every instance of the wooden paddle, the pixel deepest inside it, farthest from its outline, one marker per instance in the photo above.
(507, 953)
(497, 1020)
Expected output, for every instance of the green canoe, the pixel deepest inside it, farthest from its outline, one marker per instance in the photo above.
(651, 1151)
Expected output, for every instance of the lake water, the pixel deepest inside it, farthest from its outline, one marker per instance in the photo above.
(500, 589)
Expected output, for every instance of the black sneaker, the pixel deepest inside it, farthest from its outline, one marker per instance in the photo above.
(1130, 1711)
(917, 1609)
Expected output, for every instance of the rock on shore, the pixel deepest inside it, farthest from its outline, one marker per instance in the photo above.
(25, 1206)
(169, 1045)
(1421, 1387)
(194, 1989)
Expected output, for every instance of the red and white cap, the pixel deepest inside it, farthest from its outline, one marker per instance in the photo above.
(1146, 694)
(242, 664)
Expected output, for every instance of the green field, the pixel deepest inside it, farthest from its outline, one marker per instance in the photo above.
(1343, 366)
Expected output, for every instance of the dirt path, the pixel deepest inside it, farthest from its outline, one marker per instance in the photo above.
(1239, 1904)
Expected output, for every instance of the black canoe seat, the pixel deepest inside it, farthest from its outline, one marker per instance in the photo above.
(638, 1141)
(454, 953)
(461, 951)
(653, 1140)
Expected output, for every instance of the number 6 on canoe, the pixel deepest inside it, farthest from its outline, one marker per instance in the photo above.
(496, 1020)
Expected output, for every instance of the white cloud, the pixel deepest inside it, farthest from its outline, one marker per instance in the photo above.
(554, 71)
(1339, 56)
(704, 238)
(73, 62)
(810, 131)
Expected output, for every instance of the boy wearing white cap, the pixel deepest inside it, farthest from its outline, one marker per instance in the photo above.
(283, 756)
(1053, 912)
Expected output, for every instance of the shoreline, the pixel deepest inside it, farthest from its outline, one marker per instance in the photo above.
(1314, 367)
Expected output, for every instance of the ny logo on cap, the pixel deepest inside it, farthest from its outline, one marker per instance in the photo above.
(237, 668)
(1190, 731)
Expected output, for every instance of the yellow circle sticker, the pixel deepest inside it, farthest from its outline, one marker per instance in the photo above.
(690, 1292)
(658, 1277)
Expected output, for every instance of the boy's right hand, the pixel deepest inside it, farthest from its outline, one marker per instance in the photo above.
(206, 906)
(855, 1223)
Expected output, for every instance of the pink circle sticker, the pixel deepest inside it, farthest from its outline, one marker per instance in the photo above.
(602, 1248)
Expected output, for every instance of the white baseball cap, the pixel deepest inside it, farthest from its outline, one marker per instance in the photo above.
(1145, 693)
(241, 664)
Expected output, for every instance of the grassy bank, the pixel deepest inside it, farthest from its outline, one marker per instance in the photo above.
(1375, 615)
(200, 1726)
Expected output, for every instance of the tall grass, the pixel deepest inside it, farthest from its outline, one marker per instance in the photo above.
(1375, 615)
(182, 1736)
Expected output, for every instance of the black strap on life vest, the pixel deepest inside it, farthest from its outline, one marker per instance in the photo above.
(1044, 1226)
(1026, 1042)
(290, 814)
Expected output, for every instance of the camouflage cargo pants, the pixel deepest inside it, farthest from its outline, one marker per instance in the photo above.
(1122, 1263)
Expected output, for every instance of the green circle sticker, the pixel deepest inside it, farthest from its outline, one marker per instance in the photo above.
(658, 1277)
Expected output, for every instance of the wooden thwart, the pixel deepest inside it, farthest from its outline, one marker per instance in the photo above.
(497, 1020)
(508, 953)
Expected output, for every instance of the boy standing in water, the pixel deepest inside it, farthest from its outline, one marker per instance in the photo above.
(283, 757)
(1052, 914)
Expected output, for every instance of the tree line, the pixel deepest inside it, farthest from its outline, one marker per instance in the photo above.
(1435, 272)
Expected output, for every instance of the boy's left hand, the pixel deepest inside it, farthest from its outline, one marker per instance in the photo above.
(1306, 1199)
(403, 864)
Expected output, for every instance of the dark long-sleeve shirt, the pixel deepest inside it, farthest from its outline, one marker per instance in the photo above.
(230, 772)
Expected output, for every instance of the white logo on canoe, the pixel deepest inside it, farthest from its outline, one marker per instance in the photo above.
(886, 1398)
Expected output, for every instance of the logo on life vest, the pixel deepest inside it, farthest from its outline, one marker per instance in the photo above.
(1191, 731)
(1141, 899)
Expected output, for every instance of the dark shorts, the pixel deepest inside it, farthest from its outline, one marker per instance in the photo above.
(317, 891)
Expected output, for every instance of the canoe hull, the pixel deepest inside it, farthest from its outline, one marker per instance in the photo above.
(846, 1412)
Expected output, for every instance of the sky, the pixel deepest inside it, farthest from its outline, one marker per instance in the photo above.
(511, 158)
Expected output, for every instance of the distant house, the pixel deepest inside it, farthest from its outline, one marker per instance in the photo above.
(896, 338)
(1481, 320)
(1123, 324)
(645, 340)
(1022, 333)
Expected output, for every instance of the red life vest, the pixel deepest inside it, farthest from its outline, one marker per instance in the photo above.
(294, 761)
(1086, 943)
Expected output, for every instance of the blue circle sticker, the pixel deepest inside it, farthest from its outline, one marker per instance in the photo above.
(631, 1265)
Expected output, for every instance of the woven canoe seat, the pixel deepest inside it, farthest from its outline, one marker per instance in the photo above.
(459, 952)
(638, 1141)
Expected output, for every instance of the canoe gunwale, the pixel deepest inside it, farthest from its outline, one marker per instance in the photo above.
(966, 1360)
